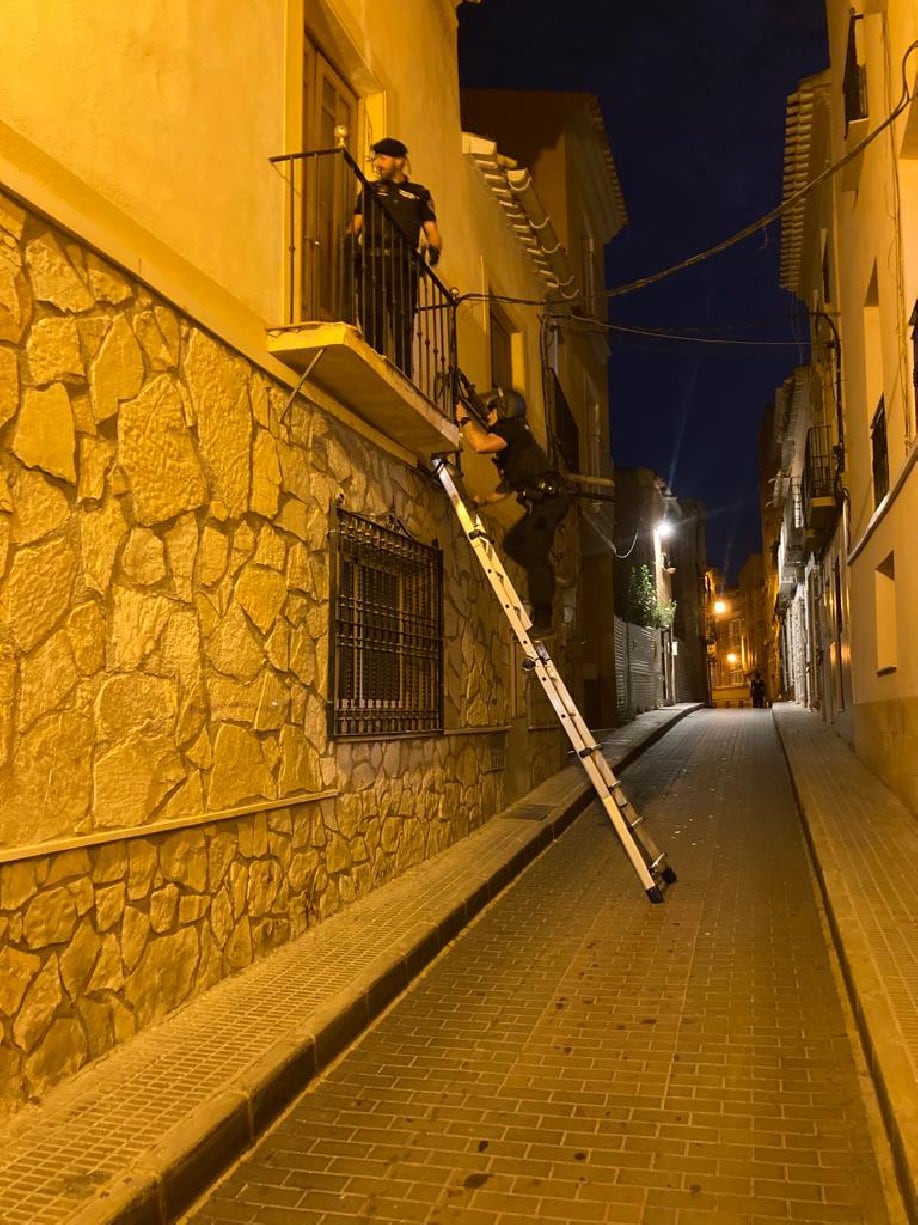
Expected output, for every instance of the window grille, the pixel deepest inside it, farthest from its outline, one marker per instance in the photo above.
(386, 656)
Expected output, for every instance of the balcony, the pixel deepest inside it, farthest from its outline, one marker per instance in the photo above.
(820, 505)
(791, 544)
(367, 321)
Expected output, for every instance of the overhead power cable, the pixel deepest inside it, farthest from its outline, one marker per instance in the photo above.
(785, 205)
(748, 231)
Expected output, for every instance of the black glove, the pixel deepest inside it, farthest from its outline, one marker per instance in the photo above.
(433, 256)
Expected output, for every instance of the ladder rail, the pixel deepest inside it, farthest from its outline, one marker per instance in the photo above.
(648, 862)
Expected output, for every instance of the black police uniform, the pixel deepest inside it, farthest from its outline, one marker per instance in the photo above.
(524, 468)
(393, 217)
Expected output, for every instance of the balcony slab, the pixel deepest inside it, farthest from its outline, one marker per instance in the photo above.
(337, 359)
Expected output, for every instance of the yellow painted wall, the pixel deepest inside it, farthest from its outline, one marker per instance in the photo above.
(144, 130)
(877, 226)
(166, 110)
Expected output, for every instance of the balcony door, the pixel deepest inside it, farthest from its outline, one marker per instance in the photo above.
(329, 188)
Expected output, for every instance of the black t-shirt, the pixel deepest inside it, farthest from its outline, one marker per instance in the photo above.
(522, 458)
(409, 205)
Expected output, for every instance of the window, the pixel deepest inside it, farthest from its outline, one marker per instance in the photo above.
(386, 657)
(565, 431)
(839, 628)
(826, 277)
(501, 350)
(854, 85)
(879, 454)
(589, 276)
(886, 614)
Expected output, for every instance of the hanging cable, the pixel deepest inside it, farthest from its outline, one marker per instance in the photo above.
(761, 224)
(785, 205)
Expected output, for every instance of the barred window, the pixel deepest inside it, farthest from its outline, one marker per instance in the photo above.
(386, 657)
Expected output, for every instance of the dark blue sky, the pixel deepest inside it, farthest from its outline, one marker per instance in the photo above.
(694, 98)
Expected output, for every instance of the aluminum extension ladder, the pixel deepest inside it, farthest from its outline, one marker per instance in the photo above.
(648, 862)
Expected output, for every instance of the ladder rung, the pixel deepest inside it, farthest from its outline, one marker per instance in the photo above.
(608, 788)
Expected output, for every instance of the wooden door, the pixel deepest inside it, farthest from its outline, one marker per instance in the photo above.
(329, 188)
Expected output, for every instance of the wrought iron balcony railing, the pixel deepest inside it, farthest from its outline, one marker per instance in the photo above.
(376, 280)
(818, 474)
(792, 536)
(820, 504)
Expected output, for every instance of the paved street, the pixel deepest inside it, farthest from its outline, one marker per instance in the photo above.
(578, 1055)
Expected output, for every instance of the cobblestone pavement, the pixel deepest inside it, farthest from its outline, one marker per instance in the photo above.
(579, 1055)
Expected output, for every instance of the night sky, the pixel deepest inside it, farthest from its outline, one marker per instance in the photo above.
(694, 100)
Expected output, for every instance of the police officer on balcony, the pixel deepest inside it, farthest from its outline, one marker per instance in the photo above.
(389, 221)
(525, 471)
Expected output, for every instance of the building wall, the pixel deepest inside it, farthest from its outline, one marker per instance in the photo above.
(876, 213)
(170, 803)
(171, 806)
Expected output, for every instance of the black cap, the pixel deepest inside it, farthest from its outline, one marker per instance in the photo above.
(390, 147)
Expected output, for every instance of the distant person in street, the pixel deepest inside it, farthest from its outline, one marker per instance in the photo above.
(389, 218)
(524, 471)
(757, 690)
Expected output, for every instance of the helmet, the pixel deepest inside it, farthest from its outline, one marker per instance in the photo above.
(509, 404)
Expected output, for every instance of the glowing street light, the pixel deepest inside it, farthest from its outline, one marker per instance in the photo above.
(731, 658)
(720, 607)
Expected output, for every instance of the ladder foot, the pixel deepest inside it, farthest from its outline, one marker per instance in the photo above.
(655, 894)
(669, 876)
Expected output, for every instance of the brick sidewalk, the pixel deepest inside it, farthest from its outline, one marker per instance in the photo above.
(577, 1055)
(865, 845)
(135, 1136)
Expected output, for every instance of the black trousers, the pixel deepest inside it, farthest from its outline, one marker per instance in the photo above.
(387, 296)
(529, 543)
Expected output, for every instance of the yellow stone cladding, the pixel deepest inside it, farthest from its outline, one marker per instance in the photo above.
(164, 613)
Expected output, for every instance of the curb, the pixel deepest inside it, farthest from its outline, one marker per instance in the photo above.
(905, 1173)
(174, 1174)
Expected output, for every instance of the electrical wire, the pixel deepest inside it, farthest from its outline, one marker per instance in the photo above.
(598, 326)
(761, 223)
(766, 220)
(595, 325)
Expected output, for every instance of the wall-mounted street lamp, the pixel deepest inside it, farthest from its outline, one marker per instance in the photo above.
(732, 658)
(720, 607)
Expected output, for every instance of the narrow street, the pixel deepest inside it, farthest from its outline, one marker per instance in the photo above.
(578, 1055)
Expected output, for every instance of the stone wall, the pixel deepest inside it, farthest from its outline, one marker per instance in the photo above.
(170, 804)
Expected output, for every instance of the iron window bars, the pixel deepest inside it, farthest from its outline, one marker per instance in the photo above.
(386, 650)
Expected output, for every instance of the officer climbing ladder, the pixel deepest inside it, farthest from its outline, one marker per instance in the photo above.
(648, 862)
